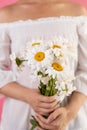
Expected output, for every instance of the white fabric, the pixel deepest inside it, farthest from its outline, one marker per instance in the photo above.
(16, 114)
(6, 75)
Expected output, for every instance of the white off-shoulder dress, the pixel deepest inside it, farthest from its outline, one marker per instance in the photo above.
(13, 37)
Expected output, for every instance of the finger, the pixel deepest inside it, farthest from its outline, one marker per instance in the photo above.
(47, 108)
(39, 128)
(44, 120)
(57, 106)
(44, 111)
(56, 123)
(43, 123)
(59, 123)
(47, 99)
(54, 115)
(48, 105)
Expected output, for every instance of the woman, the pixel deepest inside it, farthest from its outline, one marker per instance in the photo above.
(20, 23)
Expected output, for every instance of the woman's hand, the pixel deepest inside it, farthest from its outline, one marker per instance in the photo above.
(41, 104)
(60, 117)
(58, 120)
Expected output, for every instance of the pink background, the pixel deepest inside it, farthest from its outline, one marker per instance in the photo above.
(7, 2)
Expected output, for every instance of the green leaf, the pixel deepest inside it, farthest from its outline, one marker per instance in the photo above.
(42, 74)
(19, 61)
(42, 88)
(34, 123)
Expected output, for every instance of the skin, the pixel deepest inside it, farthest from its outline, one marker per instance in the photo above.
(60, 116)
(24, 9)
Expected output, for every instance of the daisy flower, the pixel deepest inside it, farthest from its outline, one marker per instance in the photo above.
(39, 58)
(56, 70)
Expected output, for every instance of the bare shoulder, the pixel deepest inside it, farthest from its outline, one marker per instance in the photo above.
(77, 9)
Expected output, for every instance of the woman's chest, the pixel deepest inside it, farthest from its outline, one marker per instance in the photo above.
(46, 30)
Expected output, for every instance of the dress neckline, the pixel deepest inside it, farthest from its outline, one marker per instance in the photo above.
(47, 19)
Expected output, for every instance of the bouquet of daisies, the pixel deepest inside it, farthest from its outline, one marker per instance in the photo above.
(50, 61)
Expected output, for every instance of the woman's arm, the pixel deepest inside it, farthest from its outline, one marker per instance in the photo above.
(41, 104)
(15, 91)
(76, 102)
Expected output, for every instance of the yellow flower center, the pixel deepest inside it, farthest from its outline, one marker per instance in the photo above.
(39, 56)
(56, 46)
(36, 43)
(57, 66)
